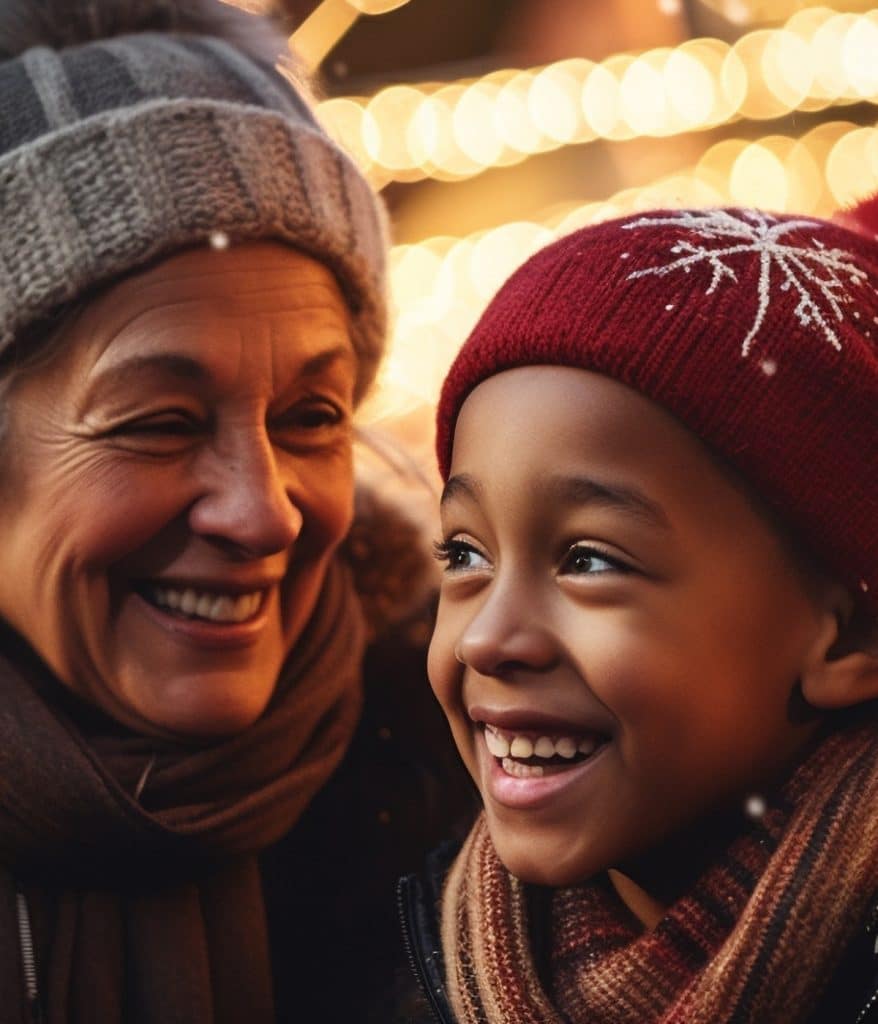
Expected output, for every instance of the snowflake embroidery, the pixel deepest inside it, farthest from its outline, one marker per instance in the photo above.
(816, 274)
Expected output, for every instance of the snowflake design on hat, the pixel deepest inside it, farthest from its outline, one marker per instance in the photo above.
(817, 274)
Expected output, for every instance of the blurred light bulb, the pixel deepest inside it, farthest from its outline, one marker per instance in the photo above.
(376, 6)
(474, 127)
(758, 178)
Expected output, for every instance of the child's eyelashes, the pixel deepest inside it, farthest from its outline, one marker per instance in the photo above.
(579, 559)
(459, 555)
(587, 560)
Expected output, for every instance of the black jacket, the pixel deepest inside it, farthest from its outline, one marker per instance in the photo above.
(337, 952)
(851, 998)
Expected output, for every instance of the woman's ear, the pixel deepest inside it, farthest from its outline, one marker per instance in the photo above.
(843, 668)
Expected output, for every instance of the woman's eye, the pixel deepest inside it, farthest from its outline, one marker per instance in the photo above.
(583, 560)
(458, 555)
(311, 415)
(162, 424)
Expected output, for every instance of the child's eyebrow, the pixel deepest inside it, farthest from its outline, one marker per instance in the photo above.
(462, 484)
(577, 490)
(583, 490)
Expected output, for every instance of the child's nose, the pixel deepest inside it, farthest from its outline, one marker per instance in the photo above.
(508, 634)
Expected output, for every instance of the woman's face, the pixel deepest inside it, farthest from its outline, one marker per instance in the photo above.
(174, 483)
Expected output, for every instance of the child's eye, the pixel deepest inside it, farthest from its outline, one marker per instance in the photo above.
(585, 560)
(459, 555)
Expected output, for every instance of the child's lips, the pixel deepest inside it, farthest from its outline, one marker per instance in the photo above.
(533, 782)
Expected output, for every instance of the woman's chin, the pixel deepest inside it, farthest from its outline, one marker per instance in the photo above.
(202, 706)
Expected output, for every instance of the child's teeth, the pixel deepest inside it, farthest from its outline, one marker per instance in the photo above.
(502, 745)
(188, 602)
(521, 771)
(544, 747)
(521, 746)
(498, 746)
(566, 747)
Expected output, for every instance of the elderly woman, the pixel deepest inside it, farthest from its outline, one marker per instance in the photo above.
(190, 310)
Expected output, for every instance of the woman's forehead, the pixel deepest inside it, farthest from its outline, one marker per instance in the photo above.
(202, 313)
(260, 276)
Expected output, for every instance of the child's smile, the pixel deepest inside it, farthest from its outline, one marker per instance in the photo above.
(533, 761)
(620, 629)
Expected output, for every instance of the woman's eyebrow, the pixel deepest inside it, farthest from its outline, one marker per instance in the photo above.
(318, 363)
(584, 490)
(175, 365)
(192, 371)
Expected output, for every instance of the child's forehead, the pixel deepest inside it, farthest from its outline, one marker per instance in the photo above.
(758, 332)
(575, 437)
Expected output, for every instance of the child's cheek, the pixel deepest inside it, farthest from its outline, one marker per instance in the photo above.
(446, 679)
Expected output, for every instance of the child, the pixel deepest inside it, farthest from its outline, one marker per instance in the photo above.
(656, 641)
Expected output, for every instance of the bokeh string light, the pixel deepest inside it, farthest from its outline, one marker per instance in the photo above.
(441, 285)
(790, 57)
(818, 59)
(755, 12)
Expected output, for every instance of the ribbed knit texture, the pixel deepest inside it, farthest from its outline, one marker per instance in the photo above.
(759, 333)
(138, 856)
(118, 151)
(755, 940)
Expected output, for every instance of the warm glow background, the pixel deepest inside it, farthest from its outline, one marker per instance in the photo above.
(493, 126)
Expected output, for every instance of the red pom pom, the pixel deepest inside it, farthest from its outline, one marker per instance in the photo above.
(862, 218)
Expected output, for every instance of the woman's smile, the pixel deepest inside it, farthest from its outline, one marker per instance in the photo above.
(208, 616)
(186, 475)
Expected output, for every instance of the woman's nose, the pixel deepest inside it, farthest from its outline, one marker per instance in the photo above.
(247, 502)
(508, 634)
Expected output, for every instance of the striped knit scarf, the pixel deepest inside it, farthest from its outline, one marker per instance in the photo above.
(756, 939)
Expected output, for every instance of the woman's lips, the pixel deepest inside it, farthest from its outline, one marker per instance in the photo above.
(214, 620)
(214, 604)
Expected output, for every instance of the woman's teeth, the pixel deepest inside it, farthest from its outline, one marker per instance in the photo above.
(513, 749)
(204, 605)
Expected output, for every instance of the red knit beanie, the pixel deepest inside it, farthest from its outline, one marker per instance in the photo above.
(758, 332)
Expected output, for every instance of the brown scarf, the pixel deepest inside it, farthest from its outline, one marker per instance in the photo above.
(149, 910)
(755, 940)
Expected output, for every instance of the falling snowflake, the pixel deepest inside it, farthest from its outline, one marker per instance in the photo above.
(821, 295)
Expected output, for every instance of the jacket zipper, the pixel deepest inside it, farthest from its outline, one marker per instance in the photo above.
(28, 960)
(871, 930)
(405, 904)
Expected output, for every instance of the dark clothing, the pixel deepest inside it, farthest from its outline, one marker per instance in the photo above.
(329, 886)
(130, 888)
(851, 998)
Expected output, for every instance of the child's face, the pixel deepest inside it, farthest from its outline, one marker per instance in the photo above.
(609, 588)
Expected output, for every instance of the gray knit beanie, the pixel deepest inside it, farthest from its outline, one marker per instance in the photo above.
(130, 129)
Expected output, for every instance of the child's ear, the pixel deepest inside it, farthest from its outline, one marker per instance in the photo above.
(843, 668)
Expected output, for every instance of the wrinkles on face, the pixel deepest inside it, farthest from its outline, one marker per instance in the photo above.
(193, 433)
